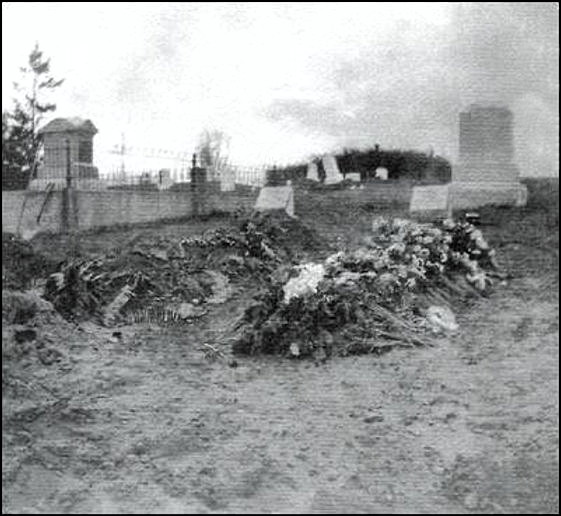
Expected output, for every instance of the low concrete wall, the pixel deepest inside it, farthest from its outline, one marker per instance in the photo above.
(98, 209)
(93, 209)
(20, 210)
(375, 194)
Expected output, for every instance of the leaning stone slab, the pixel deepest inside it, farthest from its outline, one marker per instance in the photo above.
(332, 172)
(312, 172)
(273, 198)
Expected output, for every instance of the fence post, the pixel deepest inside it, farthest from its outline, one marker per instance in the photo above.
(198, 179)
(65, 207)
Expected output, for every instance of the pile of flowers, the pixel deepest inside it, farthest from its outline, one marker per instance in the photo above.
(380, 290)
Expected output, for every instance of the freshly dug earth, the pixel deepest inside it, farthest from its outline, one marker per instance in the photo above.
(154, 420)
(21, 263)
(163, 278)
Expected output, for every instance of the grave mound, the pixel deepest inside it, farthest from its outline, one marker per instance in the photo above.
(398, 289)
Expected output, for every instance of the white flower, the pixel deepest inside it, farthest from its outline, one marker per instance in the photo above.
(481, 243)
(305, 283)
(401, 223)
(347, 277)
(411, 283)
(442, 318)
(470, 265)
(387, 279)
(378, 223)
(397, 248)
(335, 259)
(479, 280)
(448, 224)
(475, 234)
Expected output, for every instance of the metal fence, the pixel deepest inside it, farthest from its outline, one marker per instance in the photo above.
(65, 166)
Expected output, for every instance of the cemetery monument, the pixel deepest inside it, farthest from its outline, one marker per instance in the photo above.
(486, 173)
(332, 172)
(67, 141)
(312, 172)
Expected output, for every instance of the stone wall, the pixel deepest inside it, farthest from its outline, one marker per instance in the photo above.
(94, 209)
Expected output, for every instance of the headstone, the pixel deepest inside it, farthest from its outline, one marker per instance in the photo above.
(430, 202)
(486, 172)
(312, 172)
(273, 198)
(381, 173)
(332, 173)
(353, 176)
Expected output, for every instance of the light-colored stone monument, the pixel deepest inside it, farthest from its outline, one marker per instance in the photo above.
(312, 172)
(332, 173)
(381, 173)
(486, 172)
(273, 198)
(353, 176)
(67, 141)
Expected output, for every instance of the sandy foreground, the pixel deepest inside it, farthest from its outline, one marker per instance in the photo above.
(148, 423)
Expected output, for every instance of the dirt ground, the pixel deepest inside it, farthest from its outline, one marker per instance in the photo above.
(147, 423)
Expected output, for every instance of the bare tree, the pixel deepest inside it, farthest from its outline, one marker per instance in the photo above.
(213, 151)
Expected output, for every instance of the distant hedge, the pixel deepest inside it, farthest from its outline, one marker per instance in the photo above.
(401, 164)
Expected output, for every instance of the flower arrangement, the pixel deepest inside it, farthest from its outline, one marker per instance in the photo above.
(373, 288)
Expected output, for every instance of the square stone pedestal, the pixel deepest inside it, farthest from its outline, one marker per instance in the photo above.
(470, 195)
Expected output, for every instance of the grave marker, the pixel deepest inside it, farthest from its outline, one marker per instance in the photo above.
(332, 173)
(486, 172)
(273, 198)
(353, 176)
(381, 173)
(312, 172)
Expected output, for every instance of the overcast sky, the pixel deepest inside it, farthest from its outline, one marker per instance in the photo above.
(286, 80)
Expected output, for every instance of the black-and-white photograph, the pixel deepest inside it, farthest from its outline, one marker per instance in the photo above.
(280, 258)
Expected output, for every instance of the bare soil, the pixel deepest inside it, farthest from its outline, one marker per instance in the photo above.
(149, 423)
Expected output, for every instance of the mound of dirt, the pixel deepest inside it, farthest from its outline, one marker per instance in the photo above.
(168, 278)
(21, 263)
(32, 327)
